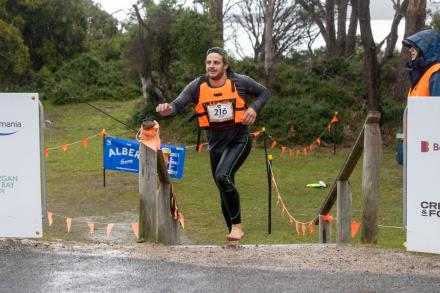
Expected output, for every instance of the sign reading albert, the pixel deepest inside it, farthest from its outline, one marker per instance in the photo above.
(423, 174)
(20, 181)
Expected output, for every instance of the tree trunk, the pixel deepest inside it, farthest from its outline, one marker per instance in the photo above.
(332, 49)
(414, 22)
(268, 41)
(350, 44)
(342, 6)
(370, 56)
(216, 13)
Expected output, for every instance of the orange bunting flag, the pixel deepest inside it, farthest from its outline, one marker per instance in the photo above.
(311, 147)
(69, 224)
(274, 143)
(256, 134)
(278, 198)
(200, 148)
(182, 220)
(290, 152)
(304, 229)
(329, 127)
(85, 143)
(135, 227)
(311, 228)
(327, 218)
(297, 153)
(297, 227)
(291, 221)
(46, 152)
(305, 151)
(65, 146)
(91, 226)
(50, 218)
(354, 228)
(109, 229)
(102, 133)
(335, 119)
(283, 149)
(282, 211)
(318, 141)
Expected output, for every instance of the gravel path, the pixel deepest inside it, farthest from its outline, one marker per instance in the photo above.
(319, 257)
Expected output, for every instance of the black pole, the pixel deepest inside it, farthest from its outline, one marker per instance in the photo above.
(334, 139)
(198, 139)
(269, 182)
(103, 159)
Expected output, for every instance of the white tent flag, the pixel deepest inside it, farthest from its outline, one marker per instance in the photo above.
(423, 174)
(20, 175)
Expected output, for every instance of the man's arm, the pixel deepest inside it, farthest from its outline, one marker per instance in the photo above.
(434, 84)
(247, 87)
(188, 95)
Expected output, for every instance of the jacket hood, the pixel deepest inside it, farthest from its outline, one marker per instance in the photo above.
(427, 42)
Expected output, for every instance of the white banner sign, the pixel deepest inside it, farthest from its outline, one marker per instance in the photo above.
(20, 181)
(423, 174)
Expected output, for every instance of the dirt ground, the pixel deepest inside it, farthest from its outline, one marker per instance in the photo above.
(321, 257)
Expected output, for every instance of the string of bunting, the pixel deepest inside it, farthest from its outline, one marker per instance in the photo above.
(355, 226)
(300, 149)
(91, 224)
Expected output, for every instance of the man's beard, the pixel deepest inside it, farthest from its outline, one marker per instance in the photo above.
(217, 76)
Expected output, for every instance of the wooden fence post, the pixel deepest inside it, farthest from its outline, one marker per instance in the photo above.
(325, 231)
(343, 200)
(155, 221)
(370, 177)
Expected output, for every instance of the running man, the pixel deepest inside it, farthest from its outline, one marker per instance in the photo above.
(221, 99)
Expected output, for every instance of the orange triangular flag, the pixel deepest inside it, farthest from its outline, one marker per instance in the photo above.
(135, 227)
(50, 218)
(297, 227)
(290, 152)
(181, 220)
(311, 228)
(65, 146)
(91, 226)
(46, 152)
(278, 198)
(318, 141)
(354, 228)
(282, 211)
(69, 224)
(327, 218)
(329, 127)
(305, 151)
(274, 143)
(102, 133)
(335, 119)
(85, 142)
(291, 220)
(200, 147)
(256, 134)
(304, 229)
(297, 153)
(311, 147)
(109, 229)
(283, 149)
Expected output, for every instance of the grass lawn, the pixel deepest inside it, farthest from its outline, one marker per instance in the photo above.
(74, 184)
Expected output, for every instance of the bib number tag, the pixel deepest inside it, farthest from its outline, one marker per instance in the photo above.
(220, 112)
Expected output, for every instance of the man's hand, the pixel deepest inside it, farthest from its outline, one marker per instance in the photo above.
(164, 109)
(249, 116)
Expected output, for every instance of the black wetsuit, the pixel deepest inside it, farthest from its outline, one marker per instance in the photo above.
(228, 146)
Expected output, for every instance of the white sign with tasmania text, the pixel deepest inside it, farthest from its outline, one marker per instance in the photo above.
(20, 175)
(423, 174)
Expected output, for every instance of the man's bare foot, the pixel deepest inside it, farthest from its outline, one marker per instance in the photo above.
(236, 233)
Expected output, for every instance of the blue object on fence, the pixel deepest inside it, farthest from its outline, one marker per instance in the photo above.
(176, 160)
(121, 155)
(399, 153)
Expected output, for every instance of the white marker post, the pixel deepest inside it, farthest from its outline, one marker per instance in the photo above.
(20, 174)
(423, 174)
